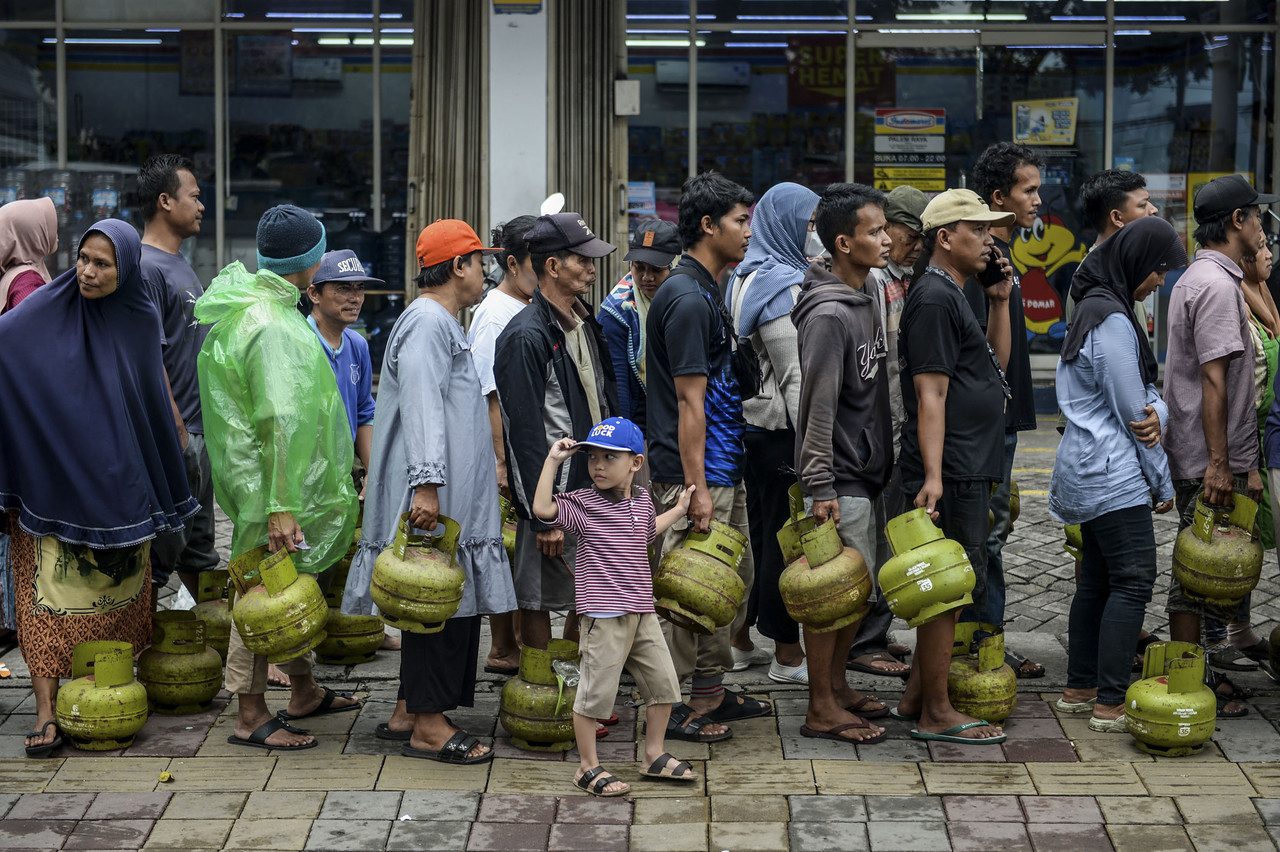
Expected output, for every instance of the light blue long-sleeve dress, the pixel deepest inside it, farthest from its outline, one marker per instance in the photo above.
(1101, 465)
(432, 426)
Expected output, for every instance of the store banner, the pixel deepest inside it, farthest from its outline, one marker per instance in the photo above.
(1051, 122)
(817, 69)
(911, 148)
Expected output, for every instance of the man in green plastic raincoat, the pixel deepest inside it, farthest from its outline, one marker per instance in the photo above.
(280, 448)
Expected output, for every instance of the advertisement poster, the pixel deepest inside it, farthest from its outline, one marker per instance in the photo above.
(264, 65)
(910, 148)
(817, 67)
(1051, 122)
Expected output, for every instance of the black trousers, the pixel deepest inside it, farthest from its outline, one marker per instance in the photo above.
(769, 471)
(438, 670)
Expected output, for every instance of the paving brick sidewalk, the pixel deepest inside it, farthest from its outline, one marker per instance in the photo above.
(1053, 785)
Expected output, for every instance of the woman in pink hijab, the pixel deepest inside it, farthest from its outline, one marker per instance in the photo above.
(28, 232)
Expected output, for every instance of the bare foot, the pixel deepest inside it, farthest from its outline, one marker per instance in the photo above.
(847, 696)
(275, 677)
(1079, 696)
(1108, 711)
(389, 643)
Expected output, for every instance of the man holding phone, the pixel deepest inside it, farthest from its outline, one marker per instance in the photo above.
(1007, 177)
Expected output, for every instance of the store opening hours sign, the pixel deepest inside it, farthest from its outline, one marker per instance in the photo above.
(911, 148)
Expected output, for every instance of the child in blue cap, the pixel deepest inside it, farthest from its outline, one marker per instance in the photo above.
(615, 522)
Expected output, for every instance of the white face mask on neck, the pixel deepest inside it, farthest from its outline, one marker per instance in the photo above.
(813, 247)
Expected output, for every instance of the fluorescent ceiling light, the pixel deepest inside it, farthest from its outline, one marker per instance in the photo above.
(363, 42)
(1077, 17)
(668, 17)
(945, 16)
(1133, 32)
(1156, 18)
(331, 15)
(163, 31)
(792, 18)
(787, 32)
(331, 30)
(113, 41)
(925, 32)
(1057, 46)
(755, 44)
(662, 42)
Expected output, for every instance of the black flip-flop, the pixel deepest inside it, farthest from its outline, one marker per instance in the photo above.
(47, 748)
(735, 706)
(683, 726)
(456, 750)
(1016, 662)
(324, 708)
(258, 739)
(384, 732)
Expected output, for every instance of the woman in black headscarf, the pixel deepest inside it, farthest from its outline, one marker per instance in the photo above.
(90, 466)
(1106, 479)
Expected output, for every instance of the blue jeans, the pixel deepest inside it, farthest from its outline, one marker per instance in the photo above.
(1117, 574)
(991, 610)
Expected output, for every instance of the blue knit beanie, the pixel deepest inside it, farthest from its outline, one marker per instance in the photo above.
(289, 240)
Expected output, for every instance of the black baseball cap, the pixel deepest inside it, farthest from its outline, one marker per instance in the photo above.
(656, 242)
(565, 232)
(1224, 195)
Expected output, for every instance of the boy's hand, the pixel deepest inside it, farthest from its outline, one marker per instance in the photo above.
(685, 497)
(562, 449)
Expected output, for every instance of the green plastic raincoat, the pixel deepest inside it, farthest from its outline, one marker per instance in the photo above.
(275, 427)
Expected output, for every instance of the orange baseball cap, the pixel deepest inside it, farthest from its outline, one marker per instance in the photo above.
(445, 239)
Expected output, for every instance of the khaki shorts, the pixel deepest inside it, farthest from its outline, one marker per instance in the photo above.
(607, 644)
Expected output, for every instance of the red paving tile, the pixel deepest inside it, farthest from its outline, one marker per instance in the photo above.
(514, 808)
(1069, 838)
(977, 808)
(568, 837)
(1040, 751)
(989, 837)
(507, 837)
(594, 811)
(1061, 809)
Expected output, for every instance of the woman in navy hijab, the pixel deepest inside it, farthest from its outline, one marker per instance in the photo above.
(90, 465)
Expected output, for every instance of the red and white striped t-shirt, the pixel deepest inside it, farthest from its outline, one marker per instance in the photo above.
(612, 570)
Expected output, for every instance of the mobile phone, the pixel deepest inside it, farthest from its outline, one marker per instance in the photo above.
(993, 274)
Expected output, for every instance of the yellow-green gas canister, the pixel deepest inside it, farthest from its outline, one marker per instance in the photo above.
(1218, 559)
(697, 585)
(1074, 543)
(980, 683)
(350, 639)
(928, 576)
(417, 584)
(509, 519)
(181, 673)
(536, 706)
(828, 587)
(214, 610)
(103, 707)
(278, 612)
(1171, 712)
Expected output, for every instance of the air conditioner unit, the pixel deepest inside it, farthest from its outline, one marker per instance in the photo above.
(672, 75)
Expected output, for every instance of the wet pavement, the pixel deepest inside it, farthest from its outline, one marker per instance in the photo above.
(1054, 785)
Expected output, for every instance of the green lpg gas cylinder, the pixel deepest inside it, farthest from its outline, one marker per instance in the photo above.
(1218, 559)
(537, 704)
(213, 609)
(1171, 712)
(509, 519)
(103, 707)
(980, 683)
(929, 576)
(349, 639)
(697, 585)
(417, 583)
(278, 612)
(1015, 503)
(796, 526)
(828, 587)
(1075, 540)
(181, 673)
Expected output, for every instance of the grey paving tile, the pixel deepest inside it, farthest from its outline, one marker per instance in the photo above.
(1269, 810)
(446, 806)
(51, 806)
(579, 837)
(905, 808)
(356, 835)
(417, 836)
(1060, 837)
(595, 811)
(361, 804)
(515, 808)
(128, 806)
(829, 836)
(109, 834)
(989, 837)
(6, 802)
(828, 809)
(1061, 809)
(908, 837)
(34, 834)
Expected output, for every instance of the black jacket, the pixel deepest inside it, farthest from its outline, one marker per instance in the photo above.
(542, 398)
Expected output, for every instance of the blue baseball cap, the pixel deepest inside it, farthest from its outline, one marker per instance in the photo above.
(342, 265)
(616, 433)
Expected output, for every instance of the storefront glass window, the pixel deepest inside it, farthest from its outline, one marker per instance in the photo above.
(1134, 13)
(924, 14)
(26, 10)
(1191, 107)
